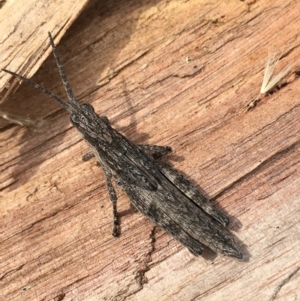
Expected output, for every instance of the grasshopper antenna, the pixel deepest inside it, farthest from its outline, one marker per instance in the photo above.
(62, 73)
(70, 107)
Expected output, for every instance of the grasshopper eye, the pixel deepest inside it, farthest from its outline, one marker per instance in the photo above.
(86, 107)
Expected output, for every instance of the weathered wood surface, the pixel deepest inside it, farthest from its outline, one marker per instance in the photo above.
(176, 73)
(23, 32)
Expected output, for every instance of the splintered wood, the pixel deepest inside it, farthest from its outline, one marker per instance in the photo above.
(23, 33)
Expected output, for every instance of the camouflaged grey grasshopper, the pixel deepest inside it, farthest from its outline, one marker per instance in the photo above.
(157, 190)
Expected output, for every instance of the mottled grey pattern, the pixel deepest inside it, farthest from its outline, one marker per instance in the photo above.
(155, 189)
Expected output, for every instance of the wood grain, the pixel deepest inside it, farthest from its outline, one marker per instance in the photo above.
(23, 31)
(176, 73)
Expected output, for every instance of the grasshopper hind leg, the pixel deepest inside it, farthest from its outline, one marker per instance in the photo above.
(193, 245)
(190, 191)
(183, 184)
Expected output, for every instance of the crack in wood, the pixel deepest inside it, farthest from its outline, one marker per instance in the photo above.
(283, 283)
(140, 275)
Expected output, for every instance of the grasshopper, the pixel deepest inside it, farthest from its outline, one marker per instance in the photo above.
(157, 190)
